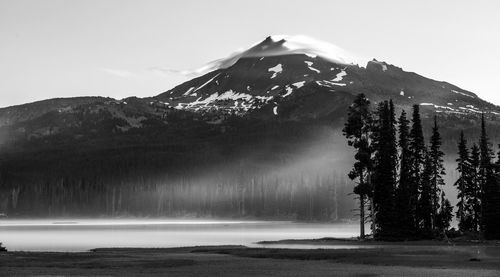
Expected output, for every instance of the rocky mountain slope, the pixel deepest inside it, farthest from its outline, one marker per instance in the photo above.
(265, 78)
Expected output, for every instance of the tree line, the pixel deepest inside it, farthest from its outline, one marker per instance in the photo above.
(239, 168)
(305, 196)
(399, 178)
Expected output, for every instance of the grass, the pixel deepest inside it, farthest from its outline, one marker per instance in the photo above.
(392, 259)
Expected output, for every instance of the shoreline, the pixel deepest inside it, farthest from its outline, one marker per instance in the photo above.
(430, 259)
(357, 242)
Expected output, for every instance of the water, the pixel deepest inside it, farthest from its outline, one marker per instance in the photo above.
(86, 234)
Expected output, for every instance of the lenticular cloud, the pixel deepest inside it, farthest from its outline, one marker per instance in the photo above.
(278, 45)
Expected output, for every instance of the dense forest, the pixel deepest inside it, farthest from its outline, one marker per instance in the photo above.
(400, 178)
(241, 168)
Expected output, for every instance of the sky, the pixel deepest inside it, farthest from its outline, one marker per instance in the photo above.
(121, 48)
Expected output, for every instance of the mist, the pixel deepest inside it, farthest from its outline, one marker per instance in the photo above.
(304, 179)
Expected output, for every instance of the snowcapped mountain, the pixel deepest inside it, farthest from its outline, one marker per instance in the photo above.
(282, 68)
(282, 77)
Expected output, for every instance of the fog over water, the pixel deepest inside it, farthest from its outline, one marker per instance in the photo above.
(85, 234)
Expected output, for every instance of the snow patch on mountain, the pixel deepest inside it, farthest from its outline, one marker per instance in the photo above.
(228, 95)
(264, 98)
(189, 91)
(468, 109)
(207, 82)
(314, 69)
(289, 91)
(309, 65)
(276, 69)
(329, 84)
(299, 84)
(464, 94)
(339, 76)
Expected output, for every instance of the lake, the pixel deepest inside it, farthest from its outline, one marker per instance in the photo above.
(86, 234)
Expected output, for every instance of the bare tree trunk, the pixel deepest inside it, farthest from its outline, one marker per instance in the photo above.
(362, 216)
(372, 217)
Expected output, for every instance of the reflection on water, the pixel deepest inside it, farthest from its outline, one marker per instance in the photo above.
(85, 234)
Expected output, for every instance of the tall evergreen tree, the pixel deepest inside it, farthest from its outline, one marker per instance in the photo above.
(425, 213)
(384, 173)
(485, 151)
(490, 191)
(444, 215)
(473, 204)
(485, 173)
(403, 201)
(357, 130)
(417, 156)
(393, 142)
(437, 171)
(463, 183)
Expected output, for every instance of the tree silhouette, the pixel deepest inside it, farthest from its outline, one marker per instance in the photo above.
(417, 159)
(403, 199)
(384, 175)
(463, 184)
(358, 130)
(490, 200)
(425, 213)
(474, 190)
(437, 172)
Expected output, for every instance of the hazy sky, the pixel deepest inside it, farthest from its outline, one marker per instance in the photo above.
(61, 48)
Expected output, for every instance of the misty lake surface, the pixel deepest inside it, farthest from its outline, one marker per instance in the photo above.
(86, 234)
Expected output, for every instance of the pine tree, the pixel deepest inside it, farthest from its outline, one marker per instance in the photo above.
(416, 159)
(384, 173)
(473, 203)
(358, 130)
(463, 184)
(444, 215)
(485, 151)
(437, 172)
(490, 191)
(484, 175)
(403, 208)
(393, 144)
(424, 211)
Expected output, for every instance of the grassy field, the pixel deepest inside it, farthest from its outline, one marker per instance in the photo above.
(396, 259)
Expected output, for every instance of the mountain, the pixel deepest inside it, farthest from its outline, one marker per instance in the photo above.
(282, 77)
(259, 80)
(258, 135)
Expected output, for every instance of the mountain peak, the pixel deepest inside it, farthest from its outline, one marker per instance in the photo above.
(281, 45)
(300, 44)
